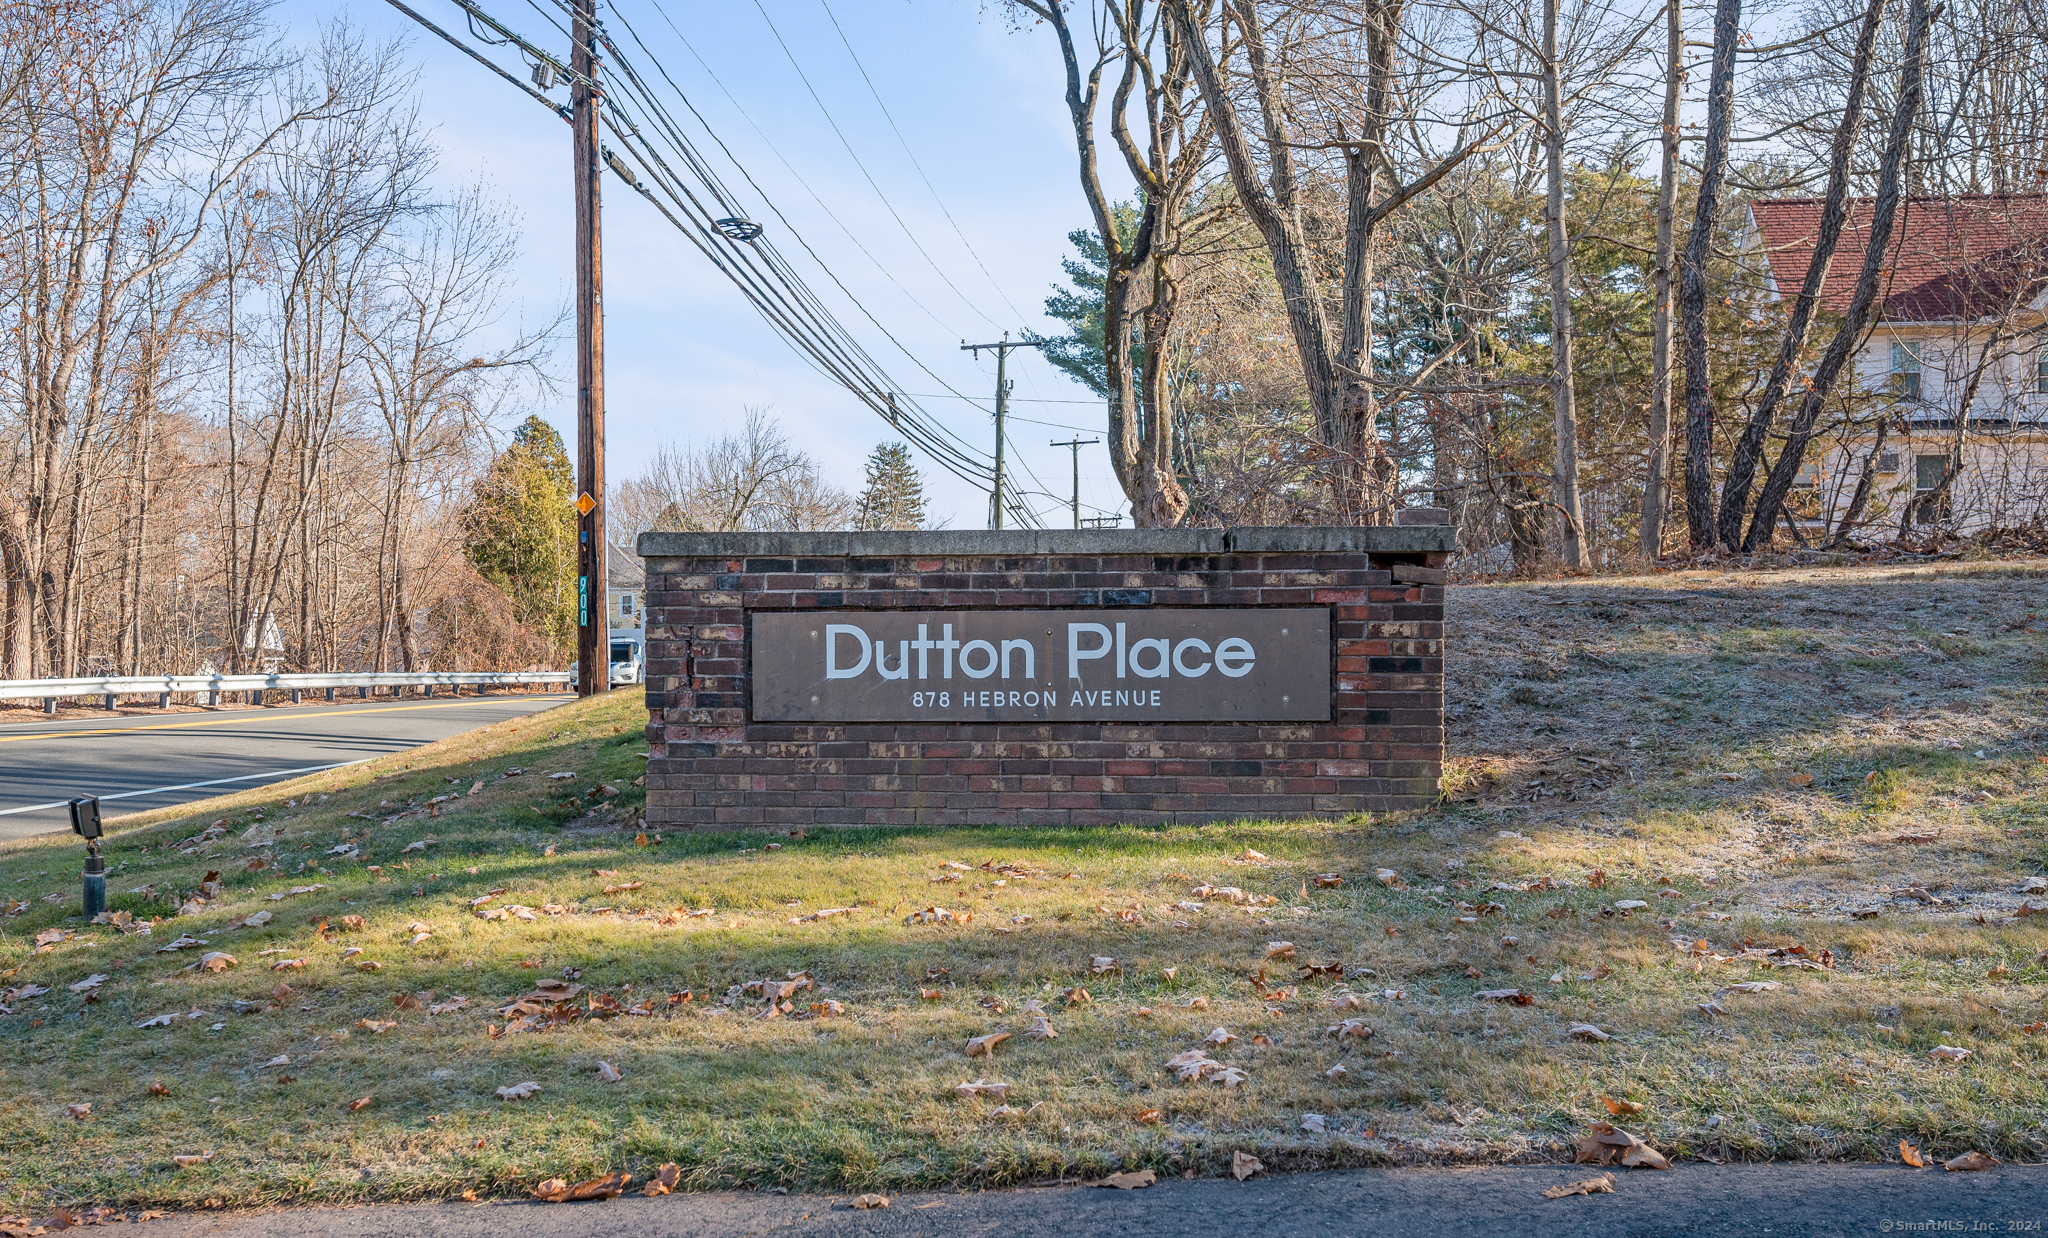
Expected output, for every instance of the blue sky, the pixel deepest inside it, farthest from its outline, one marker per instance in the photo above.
(978, 102)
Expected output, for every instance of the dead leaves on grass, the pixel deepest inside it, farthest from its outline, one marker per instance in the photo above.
(1607, 1144)
(518, 1091)
(663, 1181)
(1970, 1162)
(1243, 1165)
(980, 1046)
(1131, 1180)
(558, 1190)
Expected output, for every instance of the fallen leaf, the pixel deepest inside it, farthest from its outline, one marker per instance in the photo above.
(871, 1201)
(360, 1102)
(1515, 996)
(1607, 1144)
(1710, 1009)
(553, 1191)
(1041, 1029)
(1221, 1036)
(1911, 1155)
(981, 1087)
(1801, 780)
(376, 1028)
(1279, 950)
(1948, 1053)
(1969, 1161)
(931, 995)
(1132, 1180)
(1588, 1031)
(1753, 986)
(1350, 1028)
(1620, 1108)
(1328, 880)
(162, 1020)
(986, 1045)
(1193, 1003)
(469, 1197)
(1150, 1117)
(80, 1111)
(518, 1091)
(1243, 1165)
(664, 1180)
(1602, 1185)
(1100, 963)
(158, 1088)
(187, 1160)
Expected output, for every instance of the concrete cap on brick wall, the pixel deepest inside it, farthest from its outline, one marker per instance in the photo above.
(1410, 517)
(1405, 537)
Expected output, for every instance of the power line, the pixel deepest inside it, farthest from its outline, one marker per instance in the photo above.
(855, 156)
(752, 263)
(964, 244)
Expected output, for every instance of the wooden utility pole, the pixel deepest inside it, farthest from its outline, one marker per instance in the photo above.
(1077, 444)
(1002, 406)
(593, 621)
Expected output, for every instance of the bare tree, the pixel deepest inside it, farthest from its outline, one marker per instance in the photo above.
(1141, 291)
(754, 480)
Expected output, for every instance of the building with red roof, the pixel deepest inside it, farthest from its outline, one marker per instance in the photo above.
(1961, 313)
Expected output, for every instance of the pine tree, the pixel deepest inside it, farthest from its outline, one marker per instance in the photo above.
(519, 530)
(894, 497)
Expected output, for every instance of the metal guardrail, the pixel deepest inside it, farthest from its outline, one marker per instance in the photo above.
(163, 687)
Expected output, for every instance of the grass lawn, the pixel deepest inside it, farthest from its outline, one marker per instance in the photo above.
(1659, 788)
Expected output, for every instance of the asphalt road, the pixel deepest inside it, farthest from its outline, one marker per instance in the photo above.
(1783, 1201)
(138, 763)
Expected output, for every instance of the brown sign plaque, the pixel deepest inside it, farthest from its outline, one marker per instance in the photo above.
(1209, 665)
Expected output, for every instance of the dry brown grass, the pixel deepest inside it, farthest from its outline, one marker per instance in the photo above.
(1550, 685)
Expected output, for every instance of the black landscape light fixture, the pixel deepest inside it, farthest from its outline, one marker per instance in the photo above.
(85, 822)
(739, 229)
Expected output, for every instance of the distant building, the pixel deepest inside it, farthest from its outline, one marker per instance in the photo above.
(1964, 296)
(625, 599)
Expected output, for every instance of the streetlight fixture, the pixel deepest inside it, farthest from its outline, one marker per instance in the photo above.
(739, 229)
(85, 822)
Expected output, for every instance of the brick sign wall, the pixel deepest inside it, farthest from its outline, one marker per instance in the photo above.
(1141, 676)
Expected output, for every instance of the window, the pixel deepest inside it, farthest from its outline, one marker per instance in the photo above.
(1888, 462)
(622, 651)
(2041, 370)
(625, 606)
(1906, 370)
(1929, 472)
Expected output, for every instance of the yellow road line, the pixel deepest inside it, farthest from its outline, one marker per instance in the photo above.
(171, 726)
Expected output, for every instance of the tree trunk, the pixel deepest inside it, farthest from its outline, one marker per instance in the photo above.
(1749, 446)
(1657, 477)
(1883, 215)
(1692, 280)
(1861, 498)
(1563, 397)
